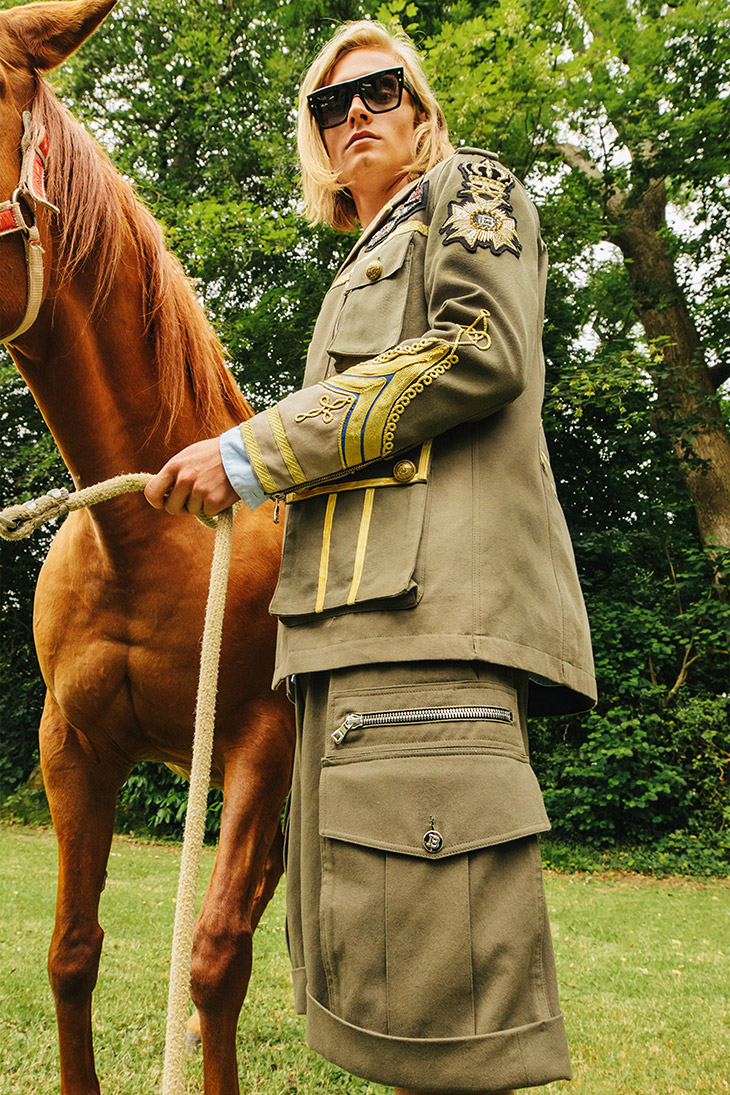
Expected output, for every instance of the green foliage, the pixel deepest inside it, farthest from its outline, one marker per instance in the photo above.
(195, 100)
(29, 465)
(153, 802)
(678, 853)
(27, 805)
(650, 763)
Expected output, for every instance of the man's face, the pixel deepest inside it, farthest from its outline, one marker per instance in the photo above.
(369, 150)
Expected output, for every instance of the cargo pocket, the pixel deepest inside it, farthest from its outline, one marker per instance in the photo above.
(431, 908)
(338, 553)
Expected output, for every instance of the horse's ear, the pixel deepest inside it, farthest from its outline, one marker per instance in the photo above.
(50, 32)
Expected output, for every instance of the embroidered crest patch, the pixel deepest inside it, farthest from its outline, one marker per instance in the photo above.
(482, 214)
(416, 200)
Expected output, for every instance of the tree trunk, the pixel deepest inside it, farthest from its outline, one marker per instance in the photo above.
(688, 410)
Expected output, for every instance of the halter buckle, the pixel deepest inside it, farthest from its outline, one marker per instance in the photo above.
(23, 197)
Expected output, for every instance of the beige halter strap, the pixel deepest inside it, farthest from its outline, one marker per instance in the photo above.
(19, 215)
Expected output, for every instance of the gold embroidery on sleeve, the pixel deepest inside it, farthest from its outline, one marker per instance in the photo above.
(257, 460)
(292, 464)
(373, 395)
(326, 408)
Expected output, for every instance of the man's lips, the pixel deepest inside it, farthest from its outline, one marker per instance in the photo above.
(361, 135)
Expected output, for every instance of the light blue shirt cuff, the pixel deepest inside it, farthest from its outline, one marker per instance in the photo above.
(238, 468)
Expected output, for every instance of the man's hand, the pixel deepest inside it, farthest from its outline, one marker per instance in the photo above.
(194, 482)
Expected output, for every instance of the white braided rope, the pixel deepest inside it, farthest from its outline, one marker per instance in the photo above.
(173, 1076)
(19, 521)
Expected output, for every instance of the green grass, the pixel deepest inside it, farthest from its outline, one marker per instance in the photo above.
(644, 967)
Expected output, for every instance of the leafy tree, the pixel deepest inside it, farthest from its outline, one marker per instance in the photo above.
(619, 111)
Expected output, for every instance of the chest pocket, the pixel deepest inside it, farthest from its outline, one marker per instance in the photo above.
(371, 318)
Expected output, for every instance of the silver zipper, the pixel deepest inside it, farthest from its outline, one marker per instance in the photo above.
(418, 715)
(300, 488)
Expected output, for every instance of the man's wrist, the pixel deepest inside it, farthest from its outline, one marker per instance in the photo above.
(238, 469)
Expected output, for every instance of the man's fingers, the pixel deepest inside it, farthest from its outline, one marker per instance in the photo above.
(177, 499)
(156, 490)
(194, 481)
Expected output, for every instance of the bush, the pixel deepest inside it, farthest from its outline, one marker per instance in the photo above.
(153, 802)
(702, 855)
(649, 765)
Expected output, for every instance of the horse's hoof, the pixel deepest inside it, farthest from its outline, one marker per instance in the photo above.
(192, 1042)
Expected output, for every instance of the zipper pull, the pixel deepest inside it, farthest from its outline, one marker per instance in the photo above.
(352, 722)
(277, 504)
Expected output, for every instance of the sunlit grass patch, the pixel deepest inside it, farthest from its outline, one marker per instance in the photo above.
(643, 966)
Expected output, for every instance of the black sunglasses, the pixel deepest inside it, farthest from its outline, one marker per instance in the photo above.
(380, 92)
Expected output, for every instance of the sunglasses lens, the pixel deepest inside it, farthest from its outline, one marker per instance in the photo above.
(331, 106)
(381, 92)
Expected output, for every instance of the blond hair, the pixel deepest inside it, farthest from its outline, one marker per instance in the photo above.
(326, 200)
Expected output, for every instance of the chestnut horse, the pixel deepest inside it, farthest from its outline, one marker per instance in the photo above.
(127, 371)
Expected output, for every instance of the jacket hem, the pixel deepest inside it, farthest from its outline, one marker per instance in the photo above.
(527, 1056)
(574, 689)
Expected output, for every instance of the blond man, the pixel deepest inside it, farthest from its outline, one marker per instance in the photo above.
(428, 597)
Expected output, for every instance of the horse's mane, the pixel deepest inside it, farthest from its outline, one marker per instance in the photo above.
(100, 213)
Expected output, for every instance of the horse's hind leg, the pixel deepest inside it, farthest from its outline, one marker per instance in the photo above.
(247, 868)
(273, 870)
(81, 793)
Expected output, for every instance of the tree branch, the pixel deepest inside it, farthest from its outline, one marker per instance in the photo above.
(579, 159)
(684, 669)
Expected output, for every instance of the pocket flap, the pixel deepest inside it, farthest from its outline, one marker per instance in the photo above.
(378, 287)
(380, 263)
(469, 800)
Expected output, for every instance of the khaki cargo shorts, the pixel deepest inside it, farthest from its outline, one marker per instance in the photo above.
(416, 917)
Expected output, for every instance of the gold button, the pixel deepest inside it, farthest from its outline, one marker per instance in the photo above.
(374, 269)
(404, 471)
(433, 842)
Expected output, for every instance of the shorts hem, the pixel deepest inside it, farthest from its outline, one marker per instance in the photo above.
(527, 1056)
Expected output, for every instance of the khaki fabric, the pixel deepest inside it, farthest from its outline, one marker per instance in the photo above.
(422, 518)
(416, 917)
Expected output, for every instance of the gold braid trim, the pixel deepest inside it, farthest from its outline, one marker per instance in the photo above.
(326, 408)
(292, 464)
(369, 398)
(324, 559)
(476, 336)
(257, 460)
(362, 543)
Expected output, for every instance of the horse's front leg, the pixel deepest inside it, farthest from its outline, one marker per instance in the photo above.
(247, 867)
(82, 794)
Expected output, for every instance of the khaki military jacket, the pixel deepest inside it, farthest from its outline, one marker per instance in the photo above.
(422, 520)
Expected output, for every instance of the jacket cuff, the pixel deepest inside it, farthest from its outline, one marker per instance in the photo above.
(238, 469)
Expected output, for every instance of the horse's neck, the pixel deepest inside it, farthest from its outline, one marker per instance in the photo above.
(95, 379)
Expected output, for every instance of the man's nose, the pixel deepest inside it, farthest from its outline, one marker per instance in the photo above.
(357, 108)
